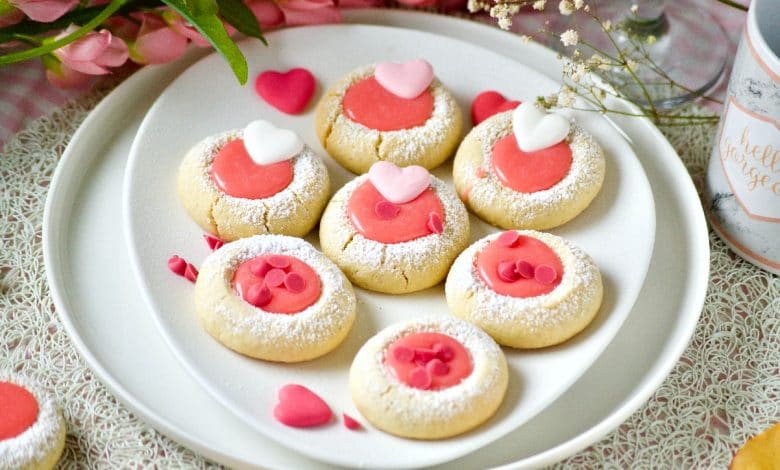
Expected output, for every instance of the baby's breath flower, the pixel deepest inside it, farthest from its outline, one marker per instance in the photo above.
(566, 7)
(570, 37)
(566, 97)
(634, 8)
(539, 4)
(579, 4)
(651, 39)
(525, 38)
(607, 25)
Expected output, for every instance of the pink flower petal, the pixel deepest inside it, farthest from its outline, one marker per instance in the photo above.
(45, 11)
(86, 48)
(302, 12)
(10, 18)
(115, 54)
(66, 77)
(122, 27)
(360, 3)
(267, 13)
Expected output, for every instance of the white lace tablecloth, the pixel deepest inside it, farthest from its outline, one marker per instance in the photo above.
(725, 388)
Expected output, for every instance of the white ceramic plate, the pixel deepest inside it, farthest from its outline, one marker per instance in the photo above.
(206, 99)
(83, 240)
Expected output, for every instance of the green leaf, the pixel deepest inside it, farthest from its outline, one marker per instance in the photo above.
(241, 17)
(202, 7)
(211, 27)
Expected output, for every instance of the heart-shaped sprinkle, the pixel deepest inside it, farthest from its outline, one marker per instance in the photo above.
(299, 407)
(406, 80)
(258, 295)
(177, 265)
(267, 144)
(214, 243)
(535, 129)
(275, 277)
(386, 210)
(289, 91)
(191, 273)
(524, 269)
(420, 378)
(278, 261)
(545, 274)
(403, 354)
(351, 423)
(507, 272)
(437, 367)
(399, 185)
(294, 282)
(422, 356)
(435, 225)
(508, 239)
(260, 267)
(489, 103)
(443, 352)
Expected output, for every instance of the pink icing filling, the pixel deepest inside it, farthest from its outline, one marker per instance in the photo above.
(235, 173)
(368, 103)
(519, 266)
(533, 171)
(277, 283)
(428, 361)
(374, 219)
(18, 410)
(299, 407)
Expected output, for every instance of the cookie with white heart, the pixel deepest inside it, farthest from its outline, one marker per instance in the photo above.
(394, 230)
(275, 298)
(528, 169)
(252, 181)
(396, 112)
(526, 289)
(32, 430)
(429, 378)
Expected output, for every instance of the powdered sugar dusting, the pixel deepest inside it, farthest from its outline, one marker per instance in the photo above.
(40, 439)
(580, 281)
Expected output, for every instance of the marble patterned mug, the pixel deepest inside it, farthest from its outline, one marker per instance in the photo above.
(742, 190)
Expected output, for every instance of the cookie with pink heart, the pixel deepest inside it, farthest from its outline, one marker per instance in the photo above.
(526, 167)
(526, 289)
(394, 229)
(390, 111)
(255, 180)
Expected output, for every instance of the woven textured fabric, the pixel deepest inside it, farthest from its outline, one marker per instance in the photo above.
(725, 388)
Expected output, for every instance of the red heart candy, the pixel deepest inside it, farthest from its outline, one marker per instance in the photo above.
(508, 238)
(489, 103)
(507, 272)
(437, 367)
(191, 272)
(420, 378)
(258, 295)
(351, 423)
(403, 354)
(177, 265)
(289, 91)
(214, 243)
(260, 268)
(279, 261)
(275, 277)
(524, 268)
(294, 282)
(545, 274)
(299, 407)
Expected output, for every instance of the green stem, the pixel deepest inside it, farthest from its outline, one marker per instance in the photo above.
(20, 56)
(733, 4)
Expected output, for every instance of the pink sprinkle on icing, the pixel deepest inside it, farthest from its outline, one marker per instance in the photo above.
(191, 272)
(177, 265)
(386, 210)
(275, 277)
(437, 367)
(403, 354)
(545, 274)
(294, 282)
(420, 378)
(214, 243)
(260, 268)
(507, 271)
(524, 268)
(443, 352)
(435, 224)
(280, 262)
(423, 356)
(258, 295)
(351, 423)
(508, 238)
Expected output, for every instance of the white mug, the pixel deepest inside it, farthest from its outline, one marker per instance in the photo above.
(742, 191)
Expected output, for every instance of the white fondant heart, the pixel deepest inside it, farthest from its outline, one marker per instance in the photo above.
(267, 144)
(536, 129)
(399, 185)
(406, 80)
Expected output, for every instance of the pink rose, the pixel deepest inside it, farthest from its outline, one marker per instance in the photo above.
(181, 26)
(93, 53)
(301, 12)
(361, 3)
(44, 11)
(65, 77)
(156, 43)
(267, 13)
(418, 3)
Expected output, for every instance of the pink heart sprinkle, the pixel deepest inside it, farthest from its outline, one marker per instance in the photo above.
(506, 271)
(289, 92)
(214, 243)
(260, 268)
(524, 268)
(406, 80)
(191, 273)
(420, 378)
(423, 356)
(301, 408)
(445, 353)
(278, 261)
(258, 295)
(545, 274)
(275, 277)
(351, 423)
(386, 210)
(508, 239)
(437, 367)
(294, 282)
(399, 185)
(435, 225)
(403, 354)
(177, 265)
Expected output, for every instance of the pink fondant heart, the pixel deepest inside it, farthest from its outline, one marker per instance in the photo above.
(399, 185)
(299, 407)
(489, 103)
(289, 91)
(406, 80)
